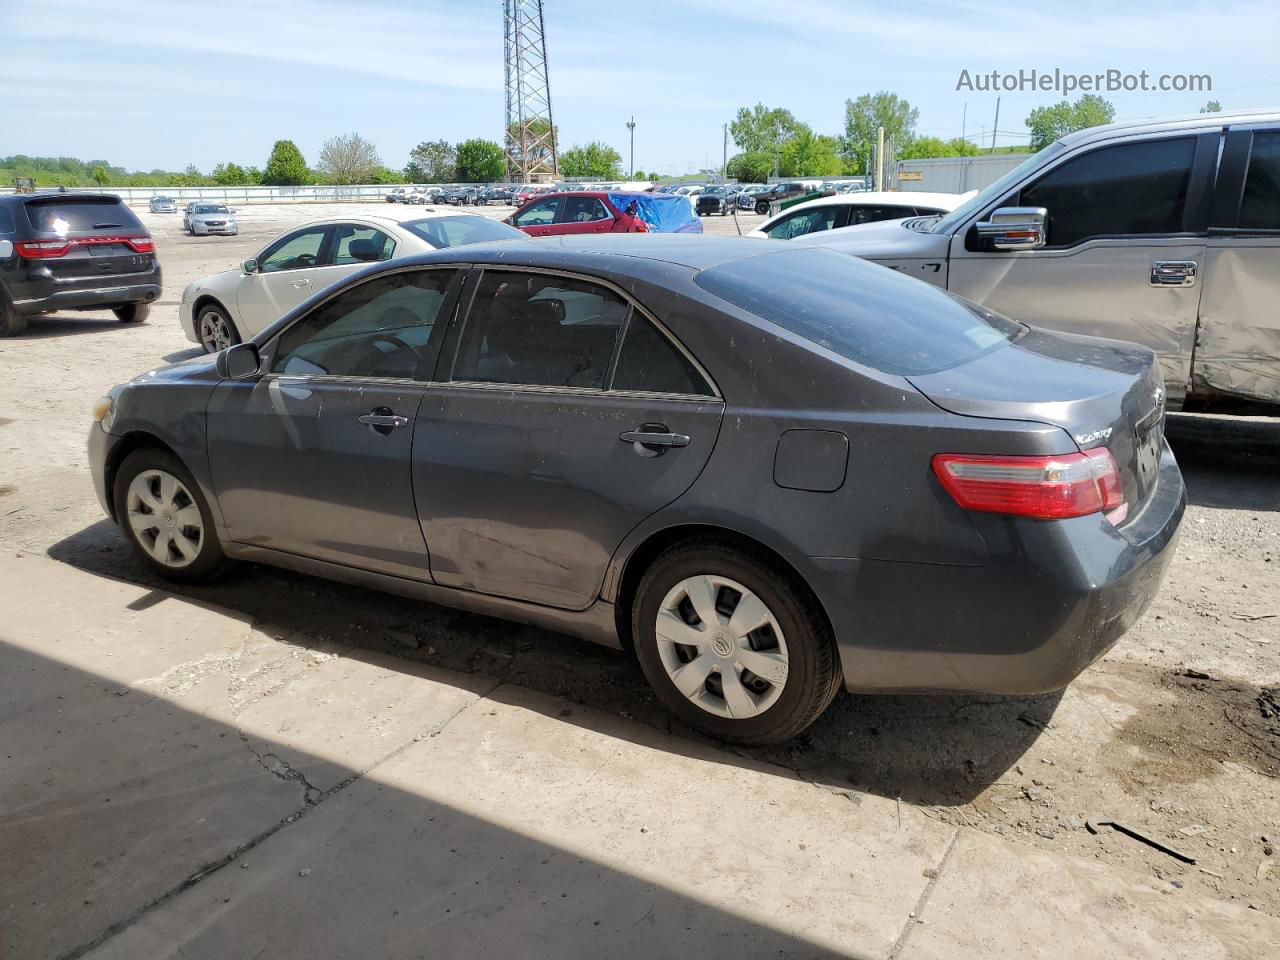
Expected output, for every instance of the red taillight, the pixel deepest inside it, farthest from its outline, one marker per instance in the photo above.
(48, 249)
(1049, 488)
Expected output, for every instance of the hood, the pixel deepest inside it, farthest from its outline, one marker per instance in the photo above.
(201, 367)
(884, 240)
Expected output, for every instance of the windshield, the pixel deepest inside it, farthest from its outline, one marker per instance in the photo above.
(861, 311)
(211, 208)
(443, 232)
(983, 197)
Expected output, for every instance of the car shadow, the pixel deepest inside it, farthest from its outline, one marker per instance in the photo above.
(47, 325)
(116, 822)
(928, 750)
(1229, 463)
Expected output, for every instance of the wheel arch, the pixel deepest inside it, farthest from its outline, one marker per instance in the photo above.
(134, 440)
(647, 550)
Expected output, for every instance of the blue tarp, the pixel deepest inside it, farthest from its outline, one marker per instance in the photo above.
(661, 212)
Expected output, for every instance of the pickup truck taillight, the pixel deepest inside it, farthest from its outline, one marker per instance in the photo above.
(1047, 488)
(51, 249)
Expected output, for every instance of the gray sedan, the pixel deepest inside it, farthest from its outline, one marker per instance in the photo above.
(203, 219)
(768, 471)
(163, 205)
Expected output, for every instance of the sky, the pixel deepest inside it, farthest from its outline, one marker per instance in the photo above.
(165, 83)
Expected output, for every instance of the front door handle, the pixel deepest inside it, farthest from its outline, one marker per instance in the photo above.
(653, 439)
(301, 283)
(382, 421)
(1174, 273)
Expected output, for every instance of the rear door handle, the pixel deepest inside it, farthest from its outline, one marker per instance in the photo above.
(1174, 273)
(653, 439)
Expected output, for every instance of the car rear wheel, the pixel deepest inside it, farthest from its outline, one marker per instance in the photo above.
(12, 322)
(166, 519)
(732, 645)
(132, 312)
(215, 329)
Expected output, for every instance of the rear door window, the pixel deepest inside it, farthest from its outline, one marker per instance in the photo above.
(806, 221)
(861, 311)
(355, 243)
(582, 210)
(651, 363)
(63, 217)
(539, 330)
(1260, 208)
(1130, 189)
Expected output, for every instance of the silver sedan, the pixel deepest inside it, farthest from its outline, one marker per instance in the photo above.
(203, 219)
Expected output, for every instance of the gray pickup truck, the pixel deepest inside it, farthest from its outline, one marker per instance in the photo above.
(1166, 233)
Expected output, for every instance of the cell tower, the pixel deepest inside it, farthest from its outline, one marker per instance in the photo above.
(531, 134)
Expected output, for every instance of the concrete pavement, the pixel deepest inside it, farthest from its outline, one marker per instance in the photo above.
(175, 782)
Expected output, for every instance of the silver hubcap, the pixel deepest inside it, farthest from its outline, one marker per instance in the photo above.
(215, 331)
(722, 647)
(164, 518)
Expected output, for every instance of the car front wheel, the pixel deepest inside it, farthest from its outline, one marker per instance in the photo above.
(732, 645)
(215, 329)
(165, 517)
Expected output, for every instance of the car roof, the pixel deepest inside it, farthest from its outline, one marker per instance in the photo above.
(1198, 121)
(422, 213)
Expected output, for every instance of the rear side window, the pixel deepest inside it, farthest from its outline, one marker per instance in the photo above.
(6, 220)
(1260, 209)
(650, 362)
(1126, 190)
(806, 221)
(539, 330)
(81, 216)
(357, 244)
(582, 210)
(443, 232)
(861, 311)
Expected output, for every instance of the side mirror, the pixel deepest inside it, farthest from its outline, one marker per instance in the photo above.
(6, 249)
(239, 362)
(1015, 228)
(250, 266)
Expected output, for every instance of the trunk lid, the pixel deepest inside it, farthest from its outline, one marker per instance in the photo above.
(97, 230)
(1104, 393)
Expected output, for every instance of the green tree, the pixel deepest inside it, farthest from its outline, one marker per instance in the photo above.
(1054, 122)
(285, 166)
(191, 177)
(349, 158)
(639, 175)
(231, 175)
(1213, 106)
(763, 130)
(751, 167)
(596, 159)
(808, 154)
(100, 175)
(480, 161)
(865, 116)
(433, 161)
(922, 148)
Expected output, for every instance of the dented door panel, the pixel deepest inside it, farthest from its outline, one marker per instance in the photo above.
(1239, 344)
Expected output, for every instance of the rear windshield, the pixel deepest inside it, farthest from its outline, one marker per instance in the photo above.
(210, 208)
(443, 232)
(81, 216)
(863, 312)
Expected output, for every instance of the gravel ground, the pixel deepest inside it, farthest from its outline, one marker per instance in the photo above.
(1175, 733)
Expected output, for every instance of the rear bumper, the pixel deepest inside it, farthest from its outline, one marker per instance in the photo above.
(1053, 598)
(42, 292)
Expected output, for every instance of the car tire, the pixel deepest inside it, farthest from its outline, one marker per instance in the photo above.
(793, 641)
(215, 329)
(132, 312)
(762, 209)
(181, 543)
(12, 322)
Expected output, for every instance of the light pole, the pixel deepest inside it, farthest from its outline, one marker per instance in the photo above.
(631, 126)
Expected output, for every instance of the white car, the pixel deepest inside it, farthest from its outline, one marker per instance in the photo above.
(851, 209)
(236, 304)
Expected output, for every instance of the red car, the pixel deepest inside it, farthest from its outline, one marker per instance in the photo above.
(602, 211)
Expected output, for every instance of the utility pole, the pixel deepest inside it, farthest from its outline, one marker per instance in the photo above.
(724, 162)
(964, 119)
(996, 127)
(631, 126)
(879, 159)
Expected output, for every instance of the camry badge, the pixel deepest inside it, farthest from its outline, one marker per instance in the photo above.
(1103, 434)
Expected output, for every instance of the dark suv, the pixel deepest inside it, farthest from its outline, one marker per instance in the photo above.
(81, 251)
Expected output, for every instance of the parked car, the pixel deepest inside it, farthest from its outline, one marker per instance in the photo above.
(1160, 232)
(495, 194)
(599, 211)
(232, 306)
(776, 193)
(461, 196)
(747, 196)
(528, 192)
(590, 435)
(162, 205)
(204, 219)
(717, 199)
(73, 251)
(397, 195)
(846, 209)
(417, 196)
